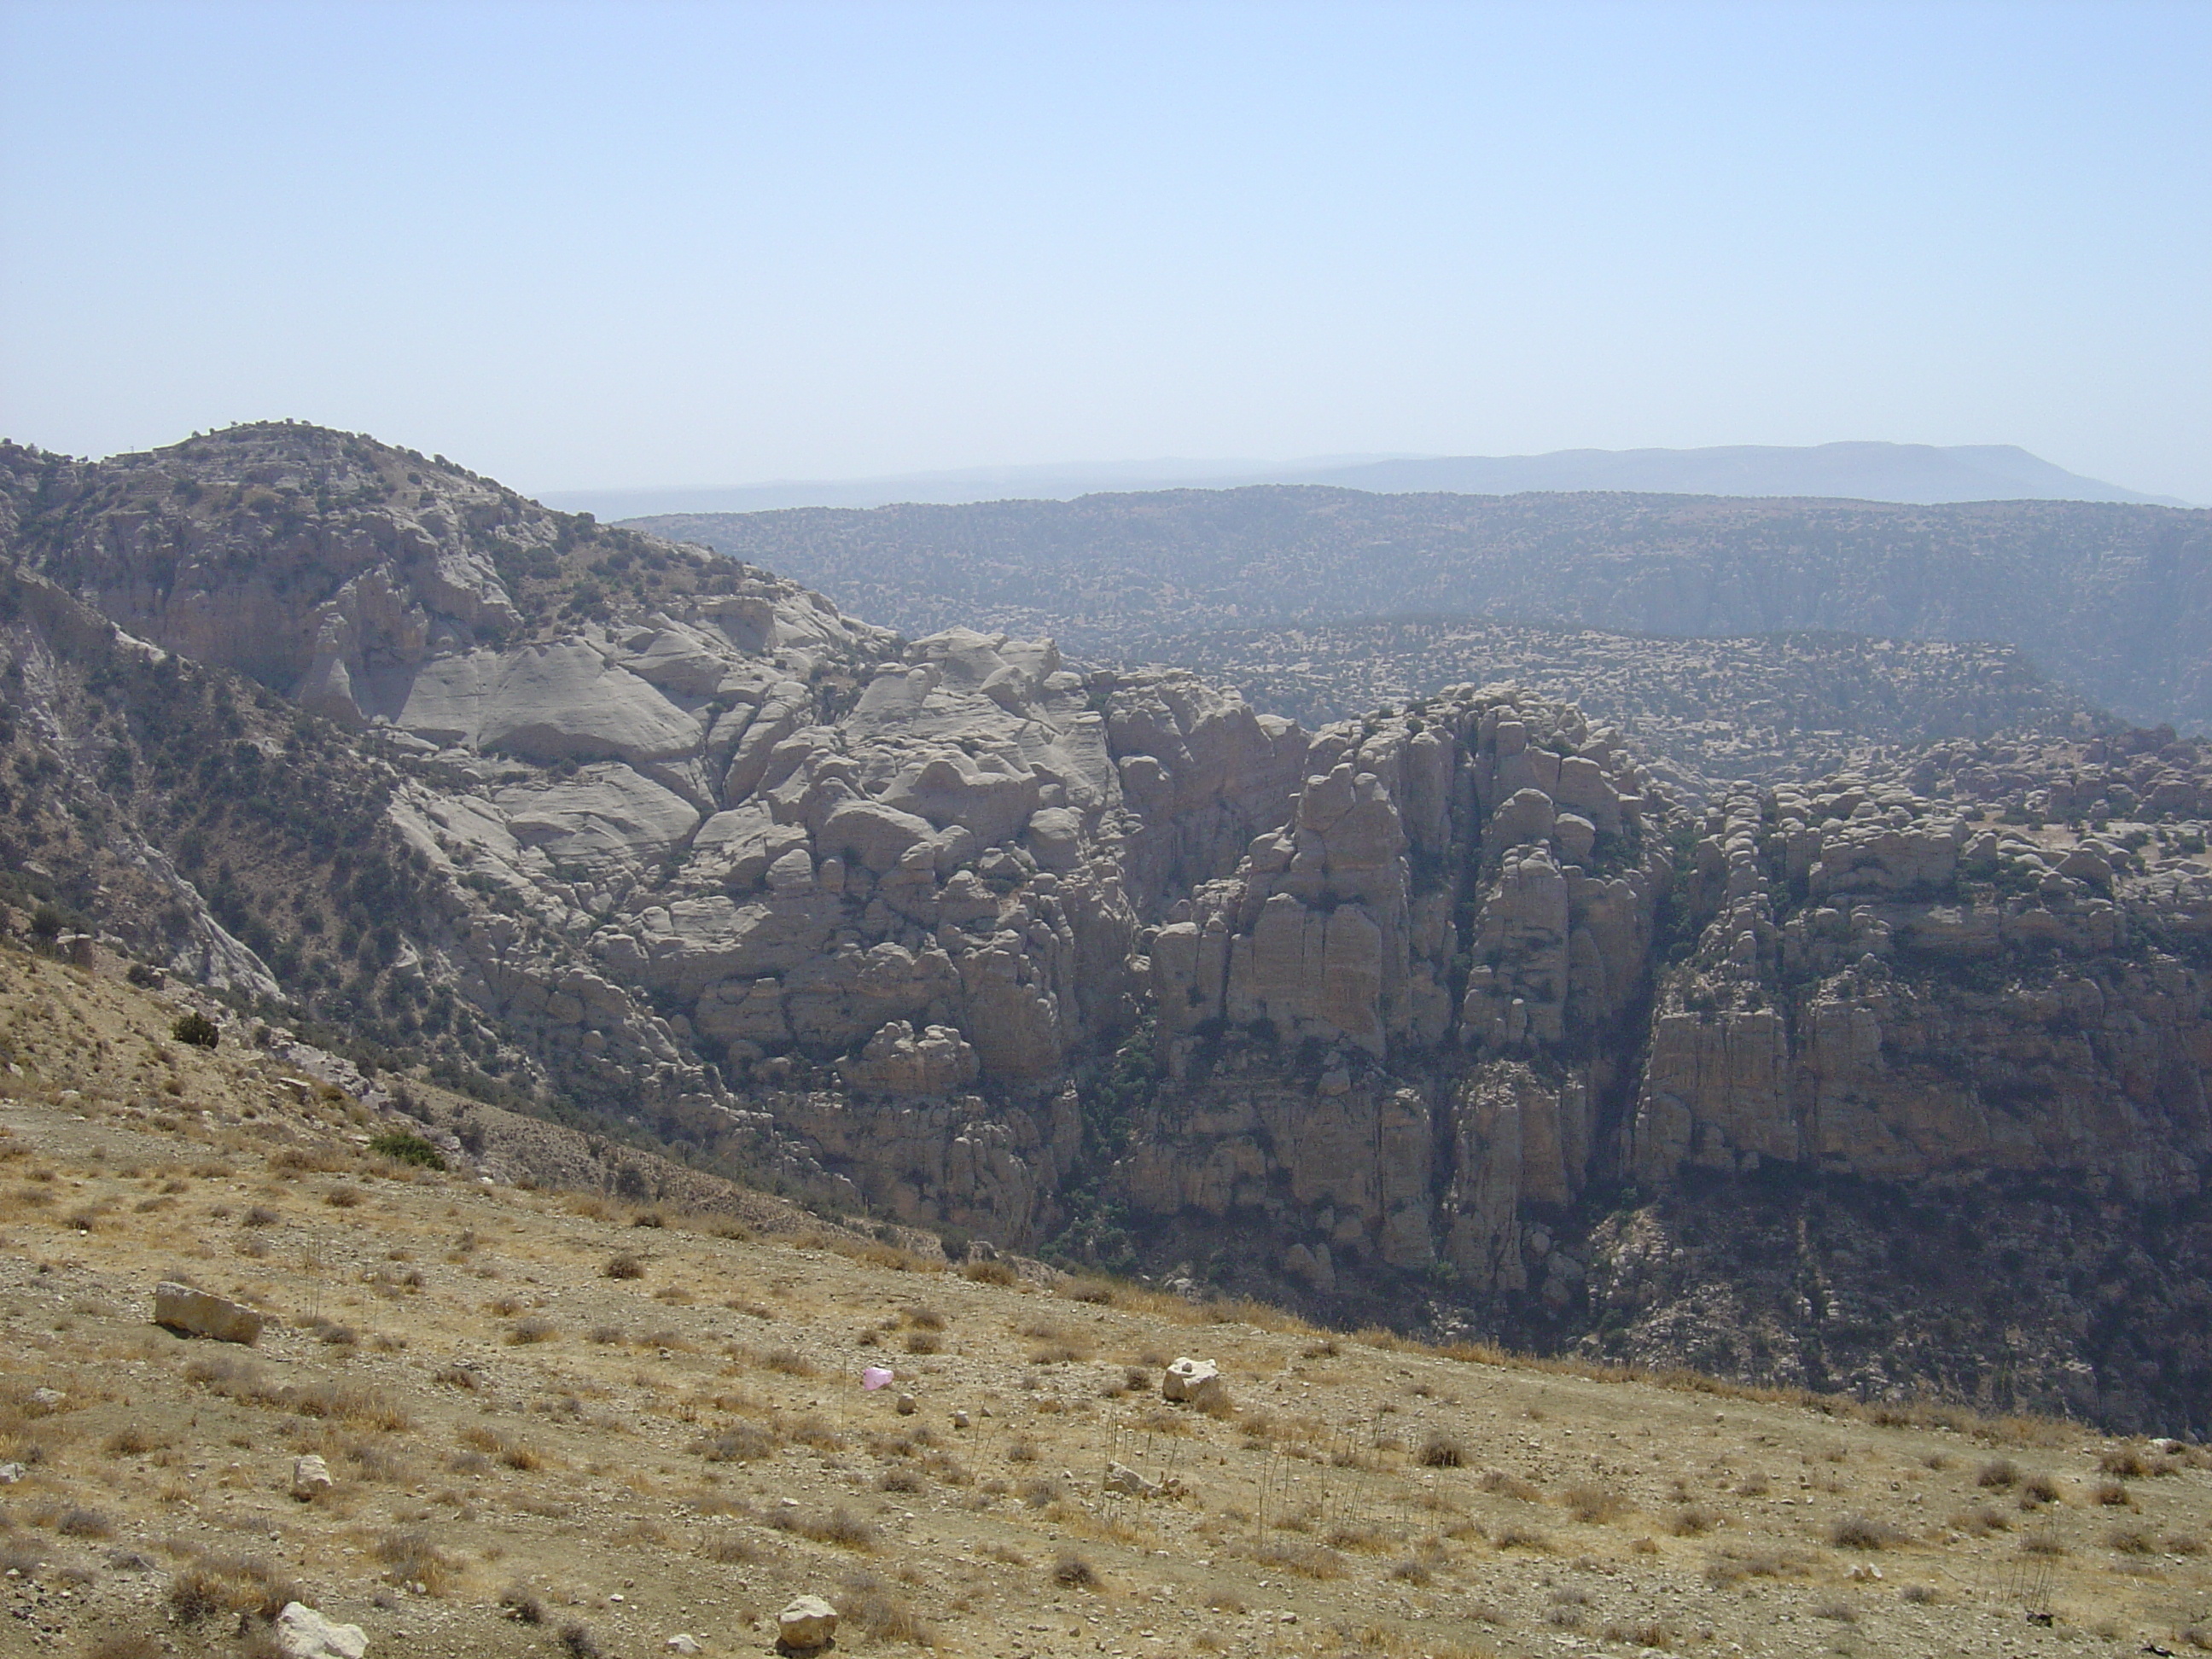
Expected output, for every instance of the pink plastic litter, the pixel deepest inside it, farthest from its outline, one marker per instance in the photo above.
(875, 1376)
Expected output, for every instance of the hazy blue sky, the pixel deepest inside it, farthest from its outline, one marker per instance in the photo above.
(587, 245)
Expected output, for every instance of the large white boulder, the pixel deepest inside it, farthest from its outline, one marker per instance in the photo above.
(304, 1633)
(1195, 1382)
(807, 1624)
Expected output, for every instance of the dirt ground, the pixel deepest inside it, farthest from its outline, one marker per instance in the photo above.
(557, 1425)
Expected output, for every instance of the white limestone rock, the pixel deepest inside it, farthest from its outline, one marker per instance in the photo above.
(807, 1624)
(303, 1633)
(202, 1313)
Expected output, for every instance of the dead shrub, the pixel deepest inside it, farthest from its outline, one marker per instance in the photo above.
(1592, 1505)
(80, 1523)
(989, 1273)
(412, 1558)
(2131, 1541)
(877, 1609)
(1511, 1537)
(739, 1442)
(1694, 1522)
(259, 1216)
(2112, 1495)
(126, 1647)
(840, 1527)
(132, 1441)
(1862, 1532)
(2037, 1489)
(924, 1342)
(525, 1332)
(1069, 1571)
(338, 1402)
(298, 1160)
(217, 1586)
(624, 1265)
(344, 1198)
(577, 1642)
(1999, 1472)
(789, 1362)
(1443, 1451)
(1731, 1567)
(518, 1603)
(1498, 1481)
(730, 1549)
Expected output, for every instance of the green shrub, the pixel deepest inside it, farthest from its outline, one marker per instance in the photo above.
(196, 1029)
(404, 1146)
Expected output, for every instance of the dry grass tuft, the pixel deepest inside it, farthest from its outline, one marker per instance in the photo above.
(731, 1549)
(840, 1527)
(223, 1586)
(1513, 1537)
(1502, 1485)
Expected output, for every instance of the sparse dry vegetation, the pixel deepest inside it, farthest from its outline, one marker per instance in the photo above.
(490, 1460)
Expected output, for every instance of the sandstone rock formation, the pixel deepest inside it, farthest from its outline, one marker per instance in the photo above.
(1439, 1017)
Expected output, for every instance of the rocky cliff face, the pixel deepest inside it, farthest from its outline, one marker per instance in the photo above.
(1450, 1018)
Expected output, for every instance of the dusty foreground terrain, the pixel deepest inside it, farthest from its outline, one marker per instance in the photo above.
(557, 1424)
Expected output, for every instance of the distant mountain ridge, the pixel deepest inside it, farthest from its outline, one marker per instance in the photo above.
(2115, 598)
(1922, 474)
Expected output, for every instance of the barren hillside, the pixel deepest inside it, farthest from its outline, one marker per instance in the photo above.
(557, 1421)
